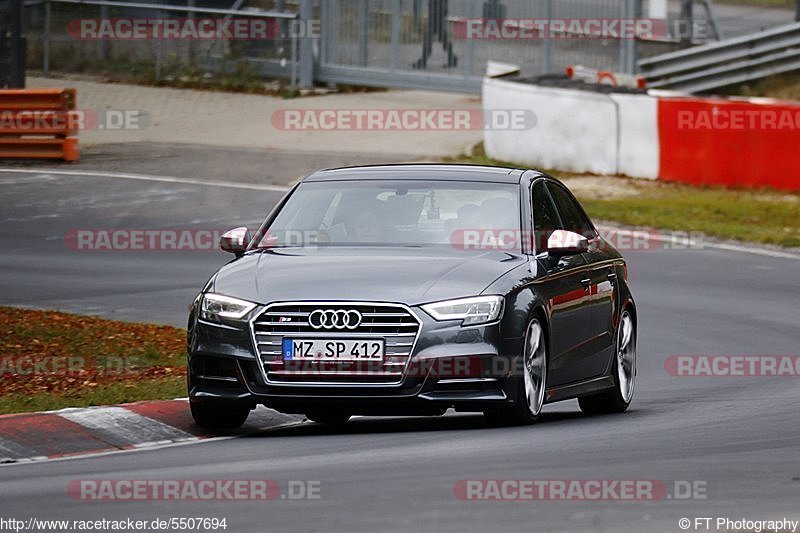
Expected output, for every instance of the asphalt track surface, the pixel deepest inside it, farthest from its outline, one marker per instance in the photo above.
(737, 437)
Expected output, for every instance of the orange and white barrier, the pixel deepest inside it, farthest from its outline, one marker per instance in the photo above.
(606, 77)
(656, 135)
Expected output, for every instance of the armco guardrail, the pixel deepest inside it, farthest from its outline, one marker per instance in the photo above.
(726, 62)
(38, 123)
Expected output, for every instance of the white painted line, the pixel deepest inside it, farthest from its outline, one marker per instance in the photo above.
(694, 244)
(749, 250)
(121, 427)
(10, 449)
(147, 177)
(8, 461)
(754, 249)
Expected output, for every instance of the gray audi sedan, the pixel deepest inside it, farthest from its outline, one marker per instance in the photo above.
(410, 290)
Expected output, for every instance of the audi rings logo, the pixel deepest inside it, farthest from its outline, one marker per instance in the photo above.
(334, 319)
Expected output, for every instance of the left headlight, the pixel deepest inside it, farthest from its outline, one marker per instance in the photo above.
(472, 311)
(216, 306)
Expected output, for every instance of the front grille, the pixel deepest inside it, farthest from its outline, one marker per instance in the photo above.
(393, 323)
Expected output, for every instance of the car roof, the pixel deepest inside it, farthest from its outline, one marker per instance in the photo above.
(428, 171)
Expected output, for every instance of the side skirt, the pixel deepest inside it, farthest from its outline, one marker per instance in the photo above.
(573, 390)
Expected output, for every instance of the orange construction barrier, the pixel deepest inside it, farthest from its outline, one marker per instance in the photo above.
(39, 123)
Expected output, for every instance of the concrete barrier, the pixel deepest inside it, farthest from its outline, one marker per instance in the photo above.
(564, 136)
(577, 131)
(639, 148)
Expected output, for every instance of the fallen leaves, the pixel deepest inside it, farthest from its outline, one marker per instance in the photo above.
(48, 352)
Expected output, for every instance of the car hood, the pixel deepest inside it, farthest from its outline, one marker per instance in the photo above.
(406, 275)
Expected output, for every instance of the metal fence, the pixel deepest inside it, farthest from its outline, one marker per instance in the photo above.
(51, 27)
(12, 45)
(416, 42)
(726, 62)
(391, 43)
(411, 35)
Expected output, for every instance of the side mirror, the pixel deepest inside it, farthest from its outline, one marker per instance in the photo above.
(562, 242)
(235, 241)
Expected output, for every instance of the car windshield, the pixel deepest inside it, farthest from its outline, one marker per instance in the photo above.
(393, 213)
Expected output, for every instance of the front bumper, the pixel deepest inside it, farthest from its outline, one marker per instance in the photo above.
(450, 366)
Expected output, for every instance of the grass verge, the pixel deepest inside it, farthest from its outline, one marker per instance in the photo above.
(757, 215)
(51, 360)
(782, 86)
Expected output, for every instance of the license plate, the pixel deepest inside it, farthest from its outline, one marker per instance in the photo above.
(333, 349)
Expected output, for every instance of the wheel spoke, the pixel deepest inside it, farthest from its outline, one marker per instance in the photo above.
(626, 357)
(530, 390)
(534, 336)
(534, 367)
(627, 330)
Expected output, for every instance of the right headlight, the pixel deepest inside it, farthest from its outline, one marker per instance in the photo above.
(471, 311)
(216, 306)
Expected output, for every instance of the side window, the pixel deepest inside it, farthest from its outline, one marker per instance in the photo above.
(571, 213)
(545, 217)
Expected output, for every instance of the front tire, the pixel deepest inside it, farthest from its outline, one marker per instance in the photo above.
(219, 415)
(531, 385)
(619, 398)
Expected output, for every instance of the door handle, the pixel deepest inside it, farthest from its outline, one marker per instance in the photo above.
(586, 283)
(612, 275)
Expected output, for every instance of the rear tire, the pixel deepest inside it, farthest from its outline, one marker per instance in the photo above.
(530, 385)
(219, 415)
(329, 418)
(618, 399)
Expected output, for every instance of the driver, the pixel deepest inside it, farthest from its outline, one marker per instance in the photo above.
(367, 227)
